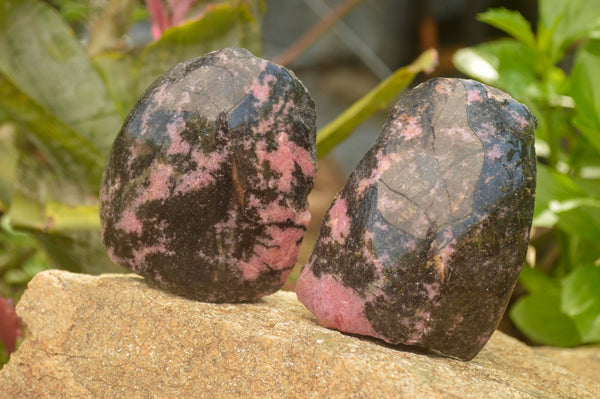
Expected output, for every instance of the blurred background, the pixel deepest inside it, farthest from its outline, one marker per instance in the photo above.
(372, 40)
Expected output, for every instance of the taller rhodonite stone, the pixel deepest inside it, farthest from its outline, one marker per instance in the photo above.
(206, 184)
(424, 244)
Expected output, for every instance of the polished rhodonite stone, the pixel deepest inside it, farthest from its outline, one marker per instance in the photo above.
(424, 244)
(206, 184)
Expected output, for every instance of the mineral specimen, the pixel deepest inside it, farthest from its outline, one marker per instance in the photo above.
(206, 184)
(424, 244)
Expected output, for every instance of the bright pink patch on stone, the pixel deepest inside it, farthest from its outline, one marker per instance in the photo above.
(339, 221)
(283, 248)
(304, 217)
(159, 182)
(334, 305)
(284, 159)
(261, 90)
(278, 253)
(473, 96)
(252, 268)
(382, 164)
(129, 222)
(178, 145)
(273, 212)
(519, 118)
(410, 127)
(202, 176)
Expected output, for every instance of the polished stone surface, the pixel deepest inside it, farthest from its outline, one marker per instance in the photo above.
(424, 244)
(206, 185)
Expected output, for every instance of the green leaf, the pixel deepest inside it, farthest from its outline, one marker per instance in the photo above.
(64, 220)
(43, 59)
(233, 23)
(540, 318)
(118, 73)
(8, 165)
(511, 22)
(581, 301)
(71, 155)
(506, 64)
(578, 217)
(77, 251)
(559, 201)
(583, 250)
(552, 186)
(590, 186)
(586, 91)
(565, 21)
(536, 281)
(341, 127)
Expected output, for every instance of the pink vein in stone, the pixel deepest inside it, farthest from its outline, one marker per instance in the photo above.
(443, 87)
(202, 176)
(115, 258)
(178, 145)
(457, 132)
(339, 221)
(129, 222)
(273, 212)
(419, 328)
(262, 90)
(282, 250)
(279, 252)
(378, 262)
(473, 96)
(496, 152)
(334, 305)
(252, 268)
(158, 188)
(487, 130)
(139, 254)
(384, 162)
(159, 184)
(408, 126)
(284, 159)
(523, 123)
(431, 290)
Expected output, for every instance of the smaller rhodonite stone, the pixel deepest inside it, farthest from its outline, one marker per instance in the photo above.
(205, 191)
(424, 244)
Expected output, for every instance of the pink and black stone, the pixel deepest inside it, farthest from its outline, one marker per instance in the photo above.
(424, 244)
(205, 192)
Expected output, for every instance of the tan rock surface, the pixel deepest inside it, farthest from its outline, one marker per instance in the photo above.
(115, 337)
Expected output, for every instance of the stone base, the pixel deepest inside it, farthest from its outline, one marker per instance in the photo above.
(114, 336)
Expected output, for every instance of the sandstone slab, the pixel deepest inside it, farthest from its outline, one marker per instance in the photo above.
(115, 336)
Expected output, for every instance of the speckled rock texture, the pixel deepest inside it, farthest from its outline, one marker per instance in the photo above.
(206, 185)
(424, 244)
(113, 336)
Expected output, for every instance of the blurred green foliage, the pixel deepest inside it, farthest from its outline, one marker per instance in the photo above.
(555, 71)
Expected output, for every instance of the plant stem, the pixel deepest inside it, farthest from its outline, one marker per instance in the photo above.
(322, 26)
